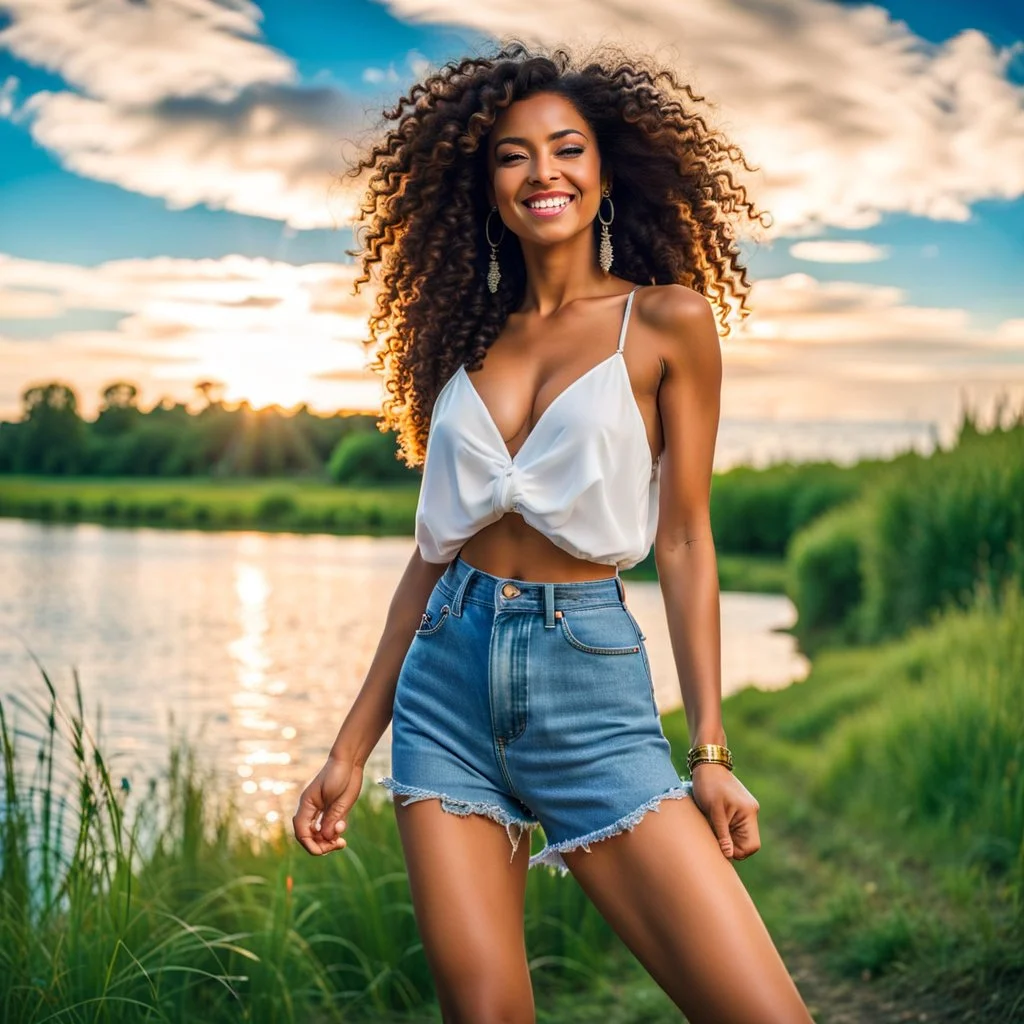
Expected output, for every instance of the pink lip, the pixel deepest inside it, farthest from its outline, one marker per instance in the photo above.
(550, 211)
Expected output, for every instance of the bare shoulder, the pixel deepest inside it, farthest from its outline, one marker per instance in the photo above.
(684, 322)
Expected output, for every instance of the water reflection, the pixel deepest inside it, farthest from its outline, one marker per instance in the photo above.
(254, 700)
(256, 643)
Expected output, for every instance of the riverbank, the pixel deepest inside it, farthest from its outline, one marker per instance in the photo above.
(890, 875)
(274, 506)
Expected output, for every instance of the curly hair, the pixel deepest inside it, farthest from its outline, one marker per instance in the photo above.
(420, 223)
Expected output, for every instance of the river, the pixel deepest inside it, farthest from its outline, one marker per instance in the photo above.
(253, 645)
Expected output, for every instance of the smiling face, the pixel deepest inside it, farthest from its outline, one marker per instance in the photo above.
(545, 169)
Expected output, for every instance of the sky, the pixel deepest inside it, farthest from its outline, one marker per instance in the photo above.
(173, 206)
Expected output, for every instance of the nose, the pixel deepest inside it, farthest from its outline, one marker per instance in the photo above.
(543, 169)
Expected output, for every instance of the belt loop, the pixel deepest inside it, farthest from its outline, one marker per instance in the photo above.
(549, 606)
(457, 600)
(622, 588)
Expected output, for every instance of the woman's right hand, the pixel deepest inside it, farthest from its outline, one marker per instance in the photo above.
(324, 806)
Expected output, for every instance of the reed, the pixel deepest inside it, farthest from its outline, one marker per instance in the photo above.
(131, 902)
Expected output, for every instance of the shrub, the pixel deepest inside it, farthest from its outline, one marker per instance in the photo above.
(825, 574)
(276, 507)
(367, 457)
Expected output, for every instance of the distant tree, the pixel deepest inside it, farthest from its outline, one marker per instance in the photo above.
(210, 390)
(52, 435)
(119, 412)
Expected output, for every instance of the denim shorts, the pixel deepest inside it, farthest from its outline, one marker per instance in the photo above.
(532, 704)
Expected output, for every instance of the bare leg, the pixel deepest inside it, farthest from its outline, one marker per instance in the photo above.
(470, 903)
(679, 905)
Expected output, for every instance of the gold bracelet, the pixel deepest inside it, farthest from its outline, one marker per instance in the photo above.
(708, 753)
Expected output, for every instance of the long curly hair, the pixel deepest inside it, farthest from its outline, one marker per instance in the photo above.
(420, 224)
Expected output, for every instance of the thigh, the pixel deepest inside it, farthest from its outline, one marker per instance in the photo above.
(469, 900)
(681, 908)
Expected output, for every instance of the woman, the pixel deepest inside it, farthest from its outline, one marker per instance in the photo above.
(545, 233)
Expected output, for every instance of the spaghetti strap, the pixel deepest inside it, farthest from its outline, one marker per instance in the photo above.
(625, 318)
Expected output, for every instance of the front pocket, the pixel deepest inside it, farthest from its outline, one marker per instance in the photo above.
(591, 647)
(429, 629)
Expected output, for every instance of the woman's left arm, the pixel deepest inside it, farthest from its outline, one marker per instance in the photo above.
(689, 400)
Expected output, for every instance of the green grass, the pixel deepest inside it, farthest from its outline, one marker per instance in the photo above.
(892, 809)
(300, 506)
(295, 505)
(892, 815)
(143, 900)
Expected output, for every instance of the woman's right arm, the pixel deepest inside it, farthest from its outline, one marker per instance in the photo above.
(330, 796)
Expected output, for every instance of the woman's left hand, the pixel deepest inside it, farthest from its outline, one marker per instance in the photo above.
(730, 809)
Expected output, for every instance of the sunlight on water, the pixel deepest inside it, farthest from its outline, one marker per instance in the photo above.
(254, 645)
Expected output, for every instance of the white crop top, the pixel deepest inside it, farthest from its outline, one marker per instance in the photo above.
(583, 477)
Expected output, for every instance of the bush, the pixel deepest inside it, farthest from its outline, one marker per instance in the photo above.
(276, 507)
(942, 528)
(367, 457)
(825, 574)
(757, 511)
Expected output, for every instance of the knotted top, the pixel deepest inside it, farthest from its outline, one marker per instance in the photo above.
(583, 477)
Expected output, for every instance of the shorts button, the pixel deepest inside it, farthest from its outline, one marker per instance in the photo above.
(510, 590)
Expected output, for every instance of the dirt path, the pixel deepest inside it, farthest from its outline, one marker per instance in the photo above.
(888, 1001)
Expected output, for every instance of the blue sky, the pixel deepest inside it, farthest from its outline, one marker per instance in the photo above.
(167, 165)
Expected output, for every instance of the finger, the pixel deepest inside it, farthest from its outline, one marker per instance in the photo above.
(746, 837)
(305, 825)
(720, 826)
(334, 821)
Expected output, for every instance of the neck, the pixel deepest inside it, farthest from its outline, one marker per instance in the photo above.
(558, 274)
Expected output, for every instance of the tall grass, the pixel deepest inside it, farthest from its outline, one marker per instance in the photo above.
(891, 783)
(126, 903)
(918, 542)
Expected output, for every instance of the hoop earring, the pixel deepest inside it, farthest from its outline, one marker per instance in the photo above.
(604, 251)
(493, 270)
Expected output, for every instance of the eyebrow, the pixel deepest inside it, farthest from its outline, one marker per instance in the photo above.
(526, 142)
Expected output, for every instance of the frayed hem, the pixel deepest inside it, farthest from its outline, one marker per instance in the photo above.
(551, 856)
(465, 808)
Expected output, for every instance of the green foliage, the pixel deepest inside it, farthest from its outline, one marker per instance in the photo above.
(892, 806)
(942, 748)
(51, 437)
(168, 440)
(367, 457)
(757, 511)
(124, 902)
(825, 579)
(927, 535)
(218, 504)
(944, 527)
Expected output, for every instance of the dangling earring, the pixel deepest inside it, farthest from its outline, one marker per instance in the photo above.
(493, 270)
(604, 251)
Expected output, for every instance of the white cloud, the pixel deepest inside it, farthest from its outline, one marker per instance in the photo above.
(815, 350)
(839, 252)
(847, 112)
(272, 152)
(273, 332)
(28, 305)
(139, 53)
(378, 76)
(184, 102)
(1010, 332)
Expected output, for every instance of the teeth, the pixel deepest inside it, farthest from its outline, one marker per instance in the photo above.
(543, 204)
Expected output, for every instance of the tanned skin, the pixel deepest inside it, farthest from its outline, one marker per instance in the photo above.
(668, 887)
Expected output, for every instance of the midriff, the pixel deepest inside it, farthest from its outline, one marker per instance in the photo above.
(512, 549)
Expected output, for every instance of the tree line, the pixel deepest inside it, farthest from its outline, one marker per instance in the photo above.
(170, 440)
